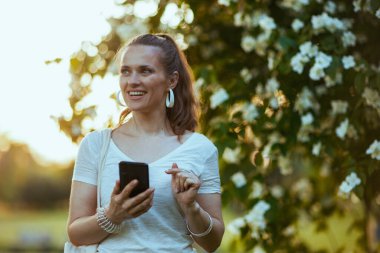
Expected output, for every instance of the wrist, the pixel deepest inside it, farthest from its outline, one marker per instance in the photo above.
(191, 209)
(110, 217)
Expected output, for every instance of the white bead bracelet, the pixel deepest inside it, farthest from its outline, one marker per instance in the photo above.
(105, 223)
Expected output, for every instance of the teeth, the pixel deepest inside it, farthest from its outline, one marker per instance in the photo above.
(136, 93)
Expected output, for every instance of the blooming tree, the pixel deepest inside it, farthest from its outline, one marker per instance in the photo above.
(290, 95)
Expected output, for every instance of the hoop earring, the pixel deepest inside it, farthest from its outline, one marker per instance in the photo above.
(170, 99)
(118, 100)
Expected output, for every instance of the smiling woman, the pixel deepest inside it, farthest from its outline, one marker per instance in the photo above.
(184, 202)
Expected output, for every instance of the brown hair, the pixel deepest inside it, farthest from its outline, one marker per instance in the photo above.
(184, 115)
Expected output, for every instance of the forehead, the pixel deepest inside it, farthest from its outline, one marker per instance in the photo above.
(142, 55)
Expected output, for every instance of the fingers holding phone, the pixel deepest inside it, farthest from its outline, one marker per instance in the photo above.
(123, 206)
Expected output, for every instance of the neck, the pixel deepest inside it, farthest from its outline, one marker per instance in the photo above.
(149, 125)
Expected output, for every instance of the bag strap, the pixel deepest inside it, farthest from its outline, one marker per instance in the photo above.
(106, 139)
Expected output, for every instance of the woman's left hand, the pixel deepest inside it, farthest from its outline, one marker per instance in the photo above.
(185, 186)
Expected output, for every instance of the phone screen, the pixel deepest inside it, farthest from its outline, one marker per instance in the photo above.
(129, 171)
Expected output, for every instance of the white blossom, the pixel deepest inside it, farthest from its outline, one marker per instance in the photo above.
(248, 43)
(238, 19)
(272, 85)
(267, 23)
(371, 97)
(250, 112)
(339, 107)
(341, 130)
(308, 49)
(374, 150)
(297, 62)
(307, 119)
(378, 13)
(330, 7)
(285, 165)
(239, 179)
(262, 42)
(258, 249)
(266, 150)
(231, 155)
(255, 218)
(218, 98)
(246, 75)
(348, 39)
(349, 183)
(257, 190)
(323, 60)
(296, 5)
(224, 2)
(316, 149)
(273, 102)
(270, 62)
(235, 226)
(304, 101)
(324, 21)
(316, 72)
(297, 25)
(329, 81)
(348, 62)
(277, 191)
(356, 5)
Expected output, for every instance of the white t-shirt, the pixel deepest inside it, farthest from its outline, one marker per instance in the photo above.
(162, 228)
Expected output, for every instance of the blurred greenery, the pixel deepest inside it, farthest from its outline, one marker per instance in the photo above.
(289, 93)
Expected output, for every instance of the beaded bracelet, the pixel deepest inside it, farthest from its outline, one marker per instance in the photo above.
(105, 223)
(205, 232)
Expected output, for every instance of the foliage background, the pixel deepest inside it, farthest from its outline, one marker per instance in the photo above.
(290, 95)
(292, 120)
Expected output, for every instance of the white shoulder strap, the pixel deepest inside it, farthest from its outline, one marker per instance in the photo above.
(106, 138)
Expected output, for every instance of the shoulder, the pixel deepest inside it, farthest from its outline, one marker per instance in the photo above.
(94, 138)
(204, 143)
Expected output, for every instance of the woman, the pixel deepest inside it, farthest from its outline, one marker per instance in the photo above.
(183, 203)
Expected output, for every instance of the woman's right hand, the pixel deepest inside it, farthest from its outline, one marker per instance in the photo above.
(123, 207)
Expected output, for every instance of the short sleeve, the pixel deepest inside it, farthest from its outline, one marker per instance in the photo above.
(210, 174)
(85, 168)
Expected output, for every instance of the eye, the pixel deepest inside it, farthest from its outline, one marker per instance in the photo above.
(147, 71)
(124, 71)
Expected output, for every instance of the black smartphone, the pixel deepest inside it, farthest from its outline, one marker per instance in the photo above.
(129, 171)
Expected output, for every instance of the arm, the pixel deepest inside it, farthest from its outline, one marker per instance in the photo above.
(83, 228)
(198, 220)
(196, 208)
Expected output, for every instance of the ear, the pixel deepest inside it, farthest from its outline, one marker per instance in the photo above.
(173, 79)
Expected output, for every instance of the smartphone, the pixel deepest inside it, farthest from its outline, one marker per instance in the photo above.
(129, 171)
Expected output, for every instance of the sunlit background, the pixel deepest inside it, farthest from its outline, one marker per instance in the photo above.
(38, 38)
(33, 87)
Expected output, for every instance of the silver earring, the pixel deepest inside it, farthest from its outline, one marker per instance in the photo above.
(170, 99)
(118, 99)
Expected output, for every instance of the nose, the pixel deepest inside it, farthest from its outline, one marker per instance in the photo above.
(133, 78)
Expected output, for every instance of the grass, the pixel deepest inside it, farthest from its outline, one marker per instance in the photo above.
(27, 228)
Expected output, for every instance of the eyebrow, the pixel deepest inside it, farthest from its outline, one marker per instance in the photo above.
(139, 66)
